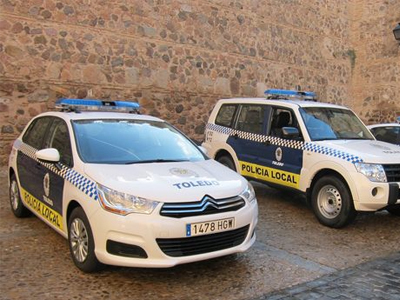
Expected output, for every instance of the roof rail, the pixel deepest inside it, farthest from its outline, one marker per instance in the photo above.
(290, 95)
(78, 105)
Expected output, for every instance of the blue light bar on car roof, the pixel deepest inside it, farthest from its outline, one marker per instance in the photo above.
(290, 95)
(96, 105)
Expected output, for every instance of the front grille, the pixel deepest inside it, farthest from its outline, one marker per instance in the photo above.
(392, 173)
(204, 207)
(204, 243)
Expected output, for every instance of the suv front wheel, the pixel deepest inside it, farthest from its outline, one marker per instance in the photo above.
(332, 202)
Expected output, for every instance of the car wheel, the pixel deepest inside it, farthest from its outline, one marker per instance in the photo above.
(332, 202)
(394, 209)
(227, 162)
(18, 208)
(81, 242)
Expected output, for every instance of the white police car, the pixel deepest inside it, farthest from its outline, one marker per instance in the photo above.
(320, 149)
(128, 189)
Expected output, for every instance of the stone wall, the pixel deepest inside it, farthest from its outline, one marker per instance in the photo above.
(375, 82)
(177, 58)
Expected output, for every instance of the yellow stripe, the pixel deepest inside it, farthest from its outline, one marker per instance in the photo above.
(42, 209)
(269, 174)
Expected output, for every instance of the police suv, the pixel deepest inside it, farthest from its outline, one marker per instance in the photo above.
(127, 189)
(320, 149)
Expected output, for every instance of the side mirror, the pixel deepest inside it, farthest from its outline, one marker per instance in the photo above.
(290, 133)
(49, 155)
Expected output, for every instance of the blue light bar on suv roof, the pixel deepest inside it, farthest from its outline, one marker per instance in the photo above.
(288, 94)
(96, 105)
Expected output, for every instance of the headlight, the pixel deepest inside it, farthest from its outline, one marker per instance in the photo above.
(123, 204)
(373, 172)
(249, 194)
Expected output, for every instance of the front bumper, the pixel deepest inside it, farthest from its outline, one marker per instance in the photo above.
(373, 196)
(142, 232)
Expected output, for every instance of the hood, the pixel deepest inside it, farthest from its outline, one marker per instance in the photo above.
(170, 182)
(370, 151)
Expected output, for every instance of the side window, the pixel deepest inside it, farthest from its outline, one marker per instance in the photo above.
(282, 118)
(251, 119)
(35, 134)
(225, 115)
(59, 139)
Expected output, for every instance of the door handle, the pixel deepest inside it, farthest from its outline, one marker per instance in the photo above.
(267, 143)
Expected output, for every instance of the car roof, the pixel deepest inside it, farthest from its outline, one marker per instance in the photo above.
(288, 103)
(87, 115)
(384, 125)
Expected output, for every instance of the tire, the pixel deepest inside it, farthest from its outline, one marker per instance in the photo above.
(332, 203)
(17, 206)
(394, 209)
(81, 242)
(227, 162)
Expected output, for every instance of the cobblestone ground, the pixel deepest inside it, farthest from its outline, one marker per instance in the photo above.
(294, 257)
(378, 279)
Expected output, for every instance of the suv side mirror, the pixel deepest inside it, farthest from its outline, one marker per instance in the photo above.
(290, 133)
(49, 155)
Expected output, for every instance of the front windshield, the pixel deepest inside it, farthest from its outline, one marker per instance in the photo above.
(325, 123)
(118, 141)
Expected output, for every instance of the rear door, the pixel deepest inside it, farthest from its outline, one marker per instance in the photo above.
(249, 130)
(41, 183)
(30, 171)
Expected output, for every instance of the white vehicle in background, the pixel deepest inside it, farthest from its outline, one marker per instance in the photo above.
(387, 132)
(319, 149)
(128, 189)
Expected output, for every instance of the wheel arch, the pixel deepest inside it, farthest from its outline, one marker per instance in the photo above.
(11, 172)
(222, 152)
(71, 206)
(230, 153)
(326, 172)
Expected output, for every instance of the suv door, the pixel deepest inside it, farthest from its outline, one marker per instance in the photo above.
(277, 159)
(281, 155)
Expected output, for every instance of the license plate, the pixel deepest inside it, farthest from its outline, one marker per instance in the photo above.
(210, 227)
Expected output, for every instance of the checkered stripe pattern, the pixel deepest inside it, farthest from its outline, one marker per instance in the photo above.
(260, 138)
(332, 152)
(219, 128)
(81, 182)
(299, 145)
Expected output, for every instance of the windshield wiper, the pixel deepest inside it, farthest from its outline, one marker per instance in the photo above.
(158, 160)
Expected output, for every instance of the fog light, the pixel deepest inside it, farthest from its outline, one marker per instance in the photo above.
(374, 192)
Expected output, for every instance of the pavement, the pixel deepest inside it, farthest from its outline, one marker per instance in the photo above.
(294, 257)
(377, 279)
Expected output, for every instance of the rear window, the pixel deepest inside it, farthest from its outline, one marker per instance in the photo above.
(225, 115)
(36, 131)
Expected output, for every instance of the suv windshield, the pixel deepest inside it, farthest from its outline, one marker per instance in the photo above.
(116, 141)
(333, 124)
